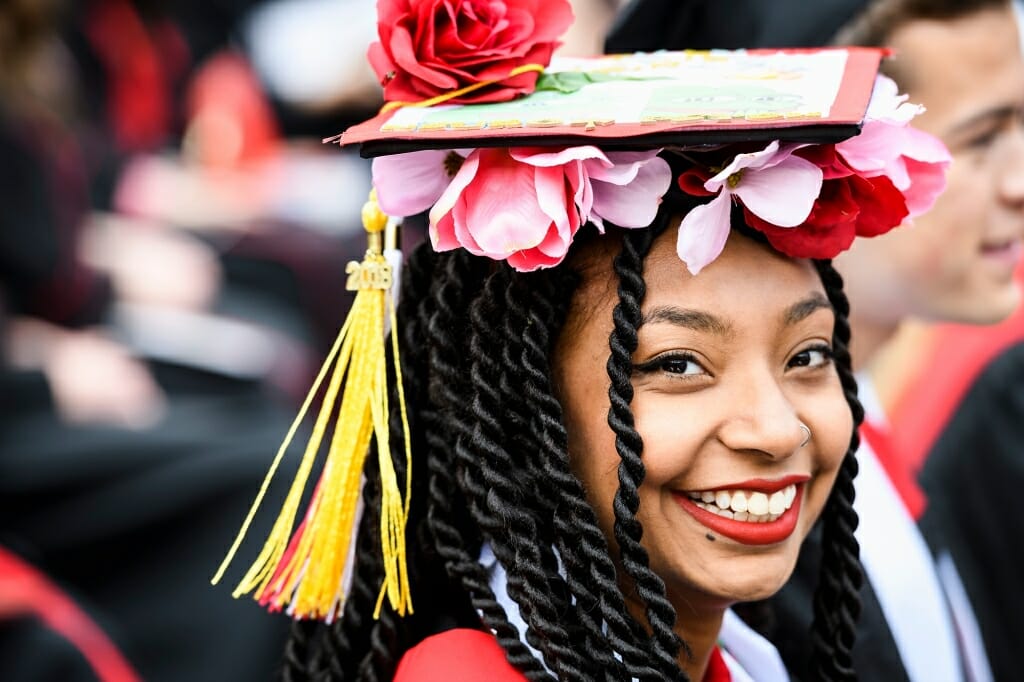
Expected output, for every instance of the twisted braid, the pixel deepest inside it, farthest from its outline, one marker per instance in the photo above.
(297, 651)
(492, 479)
(590, 572)
(628, 531)
(454, 537)
(837, 599)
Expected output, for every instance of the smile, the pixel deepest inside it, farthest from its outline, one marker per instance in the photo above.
(751, 516)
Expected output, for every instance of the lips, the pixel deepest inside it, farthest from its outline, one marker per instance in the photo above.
(1005, 252)
(769, 510)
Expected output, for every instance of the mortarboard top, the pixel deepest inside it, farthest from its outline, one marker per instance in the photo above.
(644, 100)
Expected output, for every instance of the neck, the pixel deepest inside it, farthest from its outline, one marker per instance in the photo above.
(700, 632)
(867, 338)
(892, 355)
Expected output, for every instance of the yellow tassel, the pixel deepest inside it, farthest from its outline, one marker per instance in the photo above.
(305, 573)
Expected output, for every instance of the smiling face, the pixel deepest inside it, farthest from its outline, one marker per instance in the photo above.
(730, 363)
(956, 262)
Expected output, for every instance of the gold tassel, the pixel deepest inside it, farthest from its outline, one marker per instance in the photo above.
(307, 575)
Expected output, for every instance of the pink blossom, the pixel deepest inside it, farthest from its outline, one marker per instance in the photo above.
(913, 160)
(772, 184)
(408, 184)
(525, 205)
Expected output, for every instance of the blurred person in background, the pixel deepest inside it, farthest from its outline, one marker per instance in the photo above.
(148, 363)
(962, 60)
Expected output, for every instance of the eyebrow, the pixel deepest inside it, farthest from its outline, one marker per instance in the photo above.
(683, 317)
(801, 310)
(701, 321)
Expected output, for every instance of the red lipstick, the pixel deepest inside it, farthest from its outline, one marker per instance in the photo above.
(749, 533)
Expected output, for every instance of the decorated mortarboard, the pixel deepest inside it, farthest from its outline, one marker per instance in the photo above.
(513, 153)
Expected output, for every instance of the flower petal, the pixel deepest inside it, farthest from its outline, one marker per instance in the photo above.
(621, 167)
(784, 194)
(703, 233)
(767, 157)
(634, 204)
(503, 213)
(411, 183)
(539, 156)
(442, 235)
(927, 182)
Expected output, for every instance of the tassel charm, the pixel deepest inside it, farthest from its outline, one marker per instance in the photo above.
(307, 573)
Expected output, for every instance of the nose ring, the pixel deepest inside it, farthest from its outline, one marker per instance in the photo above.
(807, 434)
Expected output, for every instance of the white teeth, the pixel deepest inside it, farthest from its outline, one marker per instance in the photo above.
(758, 504)
(742, 505)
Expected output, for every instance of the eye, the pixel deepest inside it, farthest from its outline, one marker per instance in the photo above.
(679, 364)
(982, 141)
(815, 356)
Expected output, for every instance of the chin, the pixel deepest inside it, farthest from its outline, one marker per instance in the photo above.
(760, 578)
(754, 589)
(992, 305)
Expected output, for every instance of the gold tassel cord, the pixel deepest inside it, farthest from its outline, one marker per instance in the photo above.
(305, 572)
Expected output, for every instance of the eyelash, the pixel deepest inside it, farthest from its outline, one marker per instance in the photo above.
(663, 363)
(827, 356)
(983, 141)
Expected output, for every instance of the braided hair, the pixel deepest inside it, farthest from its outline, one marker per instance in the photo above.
(491, 466)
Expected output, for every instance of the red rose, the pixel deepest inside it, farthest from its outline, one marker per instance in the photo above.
(847, 207)
(429, 47)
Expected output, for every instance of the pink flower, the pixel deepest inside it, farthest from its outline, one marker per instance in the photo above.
(913, 160)
(772, 184)
(526, 205)
(408, 184)
(430, 47)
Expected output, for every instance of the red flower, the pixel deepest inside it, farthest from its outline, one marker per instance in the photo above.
(849, 206)
(429, 47)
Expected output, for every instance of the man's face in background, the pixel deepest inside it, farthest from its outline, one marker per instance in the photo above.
(956, 263)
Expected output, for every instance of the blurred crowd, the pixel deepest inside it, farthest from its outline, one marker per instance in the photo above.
(172, 248)
(173, 236)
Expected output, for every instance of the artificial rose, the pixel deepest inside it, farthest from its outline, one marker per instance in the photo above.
(525, 205)
(499, 207)
(430, 47)
(848, 206)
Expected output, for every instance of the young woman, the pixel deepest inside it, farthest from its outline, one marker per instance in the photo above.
(627, 405)
(588, 426)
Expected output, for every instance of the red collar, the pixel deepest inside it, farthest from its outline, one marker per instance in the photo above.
(717, 670)
(880, 441)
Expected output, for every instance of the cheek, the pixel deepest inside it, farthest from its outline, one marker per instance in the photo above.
(592, 455)
(671, 434)
(831, 423)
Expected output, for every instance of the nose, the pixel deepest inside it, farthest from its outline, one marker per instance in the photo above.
(763, 421)
(1011, 179)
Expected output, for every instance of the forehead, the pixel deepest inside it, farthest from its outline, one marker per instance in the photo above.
(747, 277)
(960, 67)
(748, 284)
